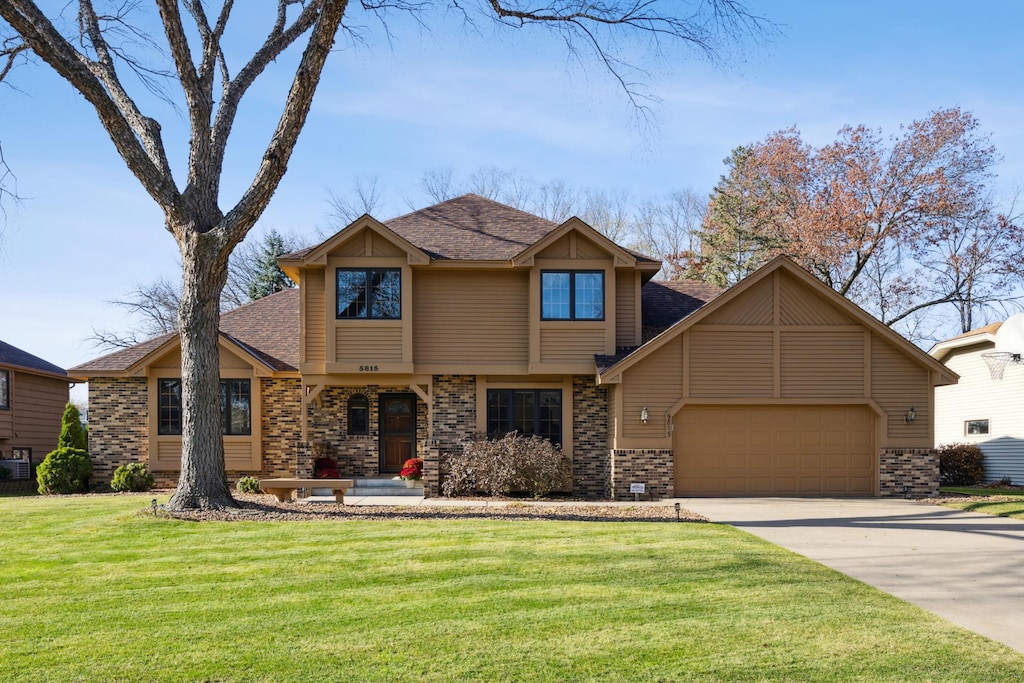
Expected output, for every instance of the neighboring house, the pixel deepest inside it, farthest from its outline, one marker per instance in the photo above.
(468, 317)
(33, 394)
(985, 407)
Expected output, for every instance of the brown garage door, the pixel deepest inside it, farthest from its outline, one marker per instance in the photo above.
(774, 450)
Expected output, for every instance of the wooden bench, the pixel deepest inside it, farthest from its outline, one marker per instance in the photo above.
(282, 488)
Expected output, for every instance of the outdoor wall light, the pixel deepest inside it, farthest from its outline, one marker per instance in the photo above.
(644, 415)
(911, 415)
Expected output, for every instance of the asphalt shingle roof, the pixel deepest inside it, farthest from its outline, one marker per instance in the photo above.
(664, 304)
(268, 328)
(471, 228)
(15, 357)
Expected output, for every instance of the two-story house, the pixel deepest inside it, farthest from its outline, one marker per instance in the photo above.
(469, 317)
(33, 393)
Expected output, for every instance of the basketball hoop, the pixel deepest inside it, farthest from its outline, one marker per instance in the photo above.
(998, 360)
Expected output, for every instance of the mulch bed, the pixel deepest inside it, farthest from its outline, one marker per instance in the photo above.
(263, 508)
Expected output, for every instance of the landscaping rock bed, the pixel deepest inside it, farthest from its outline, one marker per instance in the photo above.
(262, 508)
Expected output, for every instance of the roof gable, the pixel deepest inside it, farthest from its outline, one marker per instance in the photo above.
(380, 235)
(621, 257)
(971, 338)
(752, 285)
(265, 332)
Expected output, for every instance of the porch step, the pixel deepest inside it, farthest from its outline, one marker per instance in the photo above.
(382, 486)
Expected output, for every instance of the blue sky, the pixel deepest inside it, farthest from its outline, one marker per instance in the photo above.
(87, 233)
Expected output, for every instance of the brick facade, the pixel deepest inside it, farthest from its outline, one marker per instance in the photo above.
(357, 455)
(653, 467)
(915, 469)
(454, 399)
(118, 426)
(591, 474)
(281, 427)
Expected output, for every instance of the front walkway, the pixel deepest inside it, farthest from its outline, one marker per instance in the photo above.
(966, 567)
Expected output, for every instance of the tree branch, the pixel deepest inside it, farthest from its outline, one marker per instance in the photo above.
(126, 126)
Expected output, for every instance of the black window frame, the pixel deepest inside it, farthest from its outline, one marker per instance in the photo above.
(495, 428)
(169, 410)
(369, 307)
(5, 389)
(572, 294)
(363, 402)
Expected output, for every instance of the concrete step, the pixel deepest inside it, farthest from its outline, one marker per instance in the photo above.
(380, 486)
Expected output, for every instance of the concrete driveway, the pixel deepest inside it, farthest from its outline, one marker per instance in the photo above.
(966, 567)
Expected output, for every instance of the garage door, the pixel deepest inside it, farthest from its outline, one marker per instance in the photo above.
(774, 450)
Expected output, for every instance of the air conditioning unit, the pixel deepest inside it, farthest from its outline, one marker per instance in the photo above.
(19, 468)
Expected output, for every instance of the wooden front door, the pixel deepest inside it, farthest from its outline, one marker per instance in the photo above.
(397, 431)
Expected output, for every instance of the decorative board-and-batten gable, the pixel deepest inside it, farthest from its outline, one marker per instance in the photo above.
(757, 304)
(779, 337)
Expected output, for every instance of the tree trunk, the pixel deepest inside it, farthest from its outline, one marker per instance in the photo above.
(203, 482)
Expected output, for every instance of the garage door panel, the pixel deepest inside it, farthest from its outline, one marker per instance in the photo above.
(774, 450)
(837, 461)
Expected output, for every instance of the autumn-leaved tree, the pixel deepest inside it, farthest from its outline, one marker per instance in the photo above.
(899, 224)
(95, 60)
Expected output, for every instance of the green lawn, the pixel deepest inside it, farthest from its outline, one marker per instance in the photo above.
(1004, 502)
(981, 491)
(93, 591)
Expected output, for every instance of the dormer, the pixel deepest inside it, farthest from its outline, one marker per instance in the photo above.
(356, 295)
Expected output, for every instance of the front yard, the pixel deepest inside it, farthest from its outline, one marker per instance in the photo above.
(95, 591)
(1004, 502)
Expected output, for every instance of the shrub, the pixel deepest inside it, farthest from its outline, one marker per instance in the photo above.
(71, 433)
(65, 470)
(513, 462)
(132, 477)
(961, 464)
(248, 485)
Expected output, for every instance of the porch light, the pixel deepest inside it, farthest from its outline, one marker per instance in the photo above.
(644, 415)
(911, 415)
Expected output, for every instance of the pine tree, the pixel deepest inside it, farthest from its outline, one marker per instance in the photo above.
(71, 433)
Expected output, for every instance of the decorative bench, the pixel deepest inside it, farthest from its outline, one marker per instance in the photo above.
(282, 488)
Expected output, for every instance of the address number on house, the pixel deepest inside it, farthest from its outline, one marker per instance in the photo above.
(369, 368)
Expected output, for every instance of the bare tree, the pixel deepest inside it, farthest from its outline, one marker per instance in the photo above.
(212, 90)
(438, 185)
(155, 308)
(365, 197)
(609, 213)
(669, 230)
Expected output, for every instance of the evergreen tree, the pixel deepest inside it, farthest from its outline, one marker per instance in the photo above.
(71, 433)
(267, 277)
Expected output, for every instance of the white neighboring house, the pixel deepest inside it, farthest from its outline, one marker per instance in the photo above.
(986, 407)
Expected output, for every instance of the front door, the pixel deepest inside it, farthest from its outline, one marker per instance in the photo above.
(397, 431)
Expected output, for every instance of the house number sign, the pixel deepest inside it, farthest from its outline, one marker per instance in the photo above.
(369, 368)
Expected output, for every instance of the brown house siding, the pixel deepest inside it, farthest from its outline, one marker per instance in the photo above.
(37, 404)
(118, 427)
(471, 317)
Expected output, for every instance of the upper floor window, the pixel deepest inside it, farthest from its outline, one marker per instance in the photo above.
(5, 389)
(572, 295)
(974, 427)
(235, 407)
(370, 293)
(358, 415)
